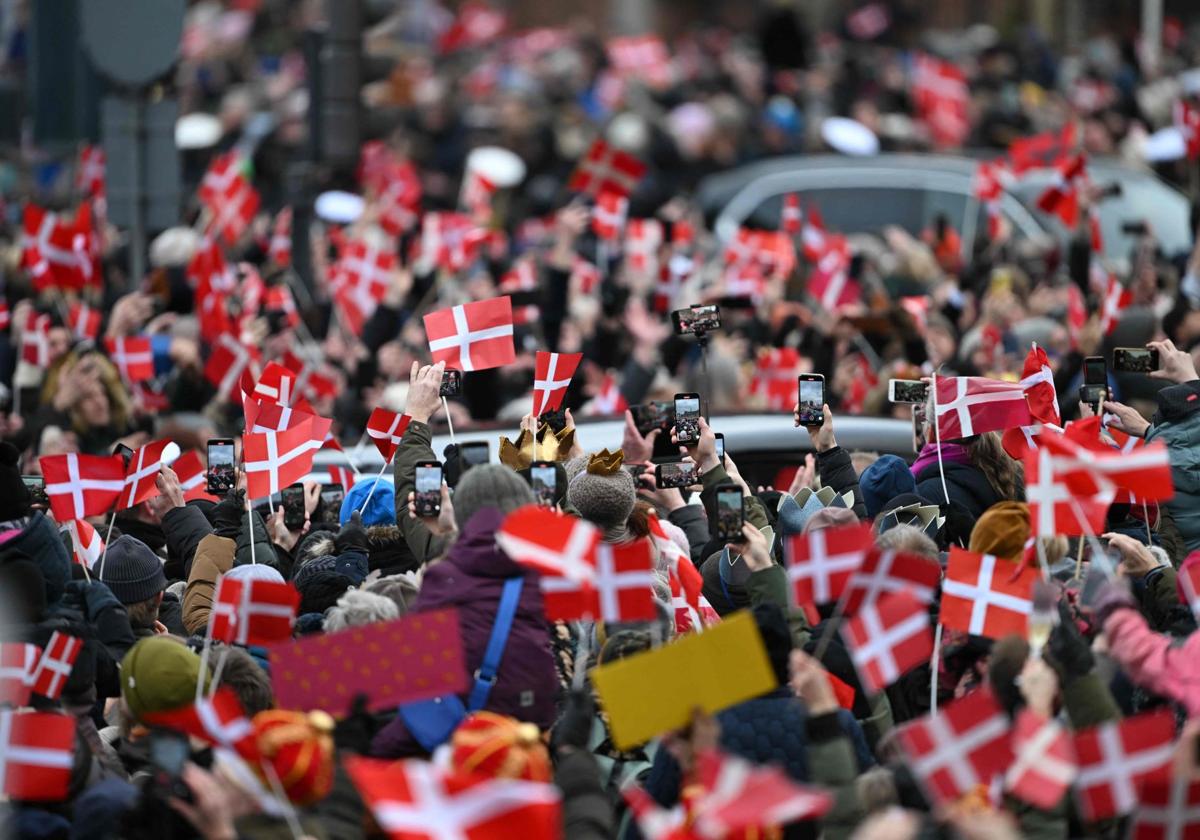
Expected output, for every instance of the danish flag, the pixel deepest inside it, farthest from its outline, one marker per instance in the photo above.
(227, 363)
(1038, 381)
(643, 237)
(1116, 299)
(1053, 507)
(399, 198)
(54, 668)
(963, 745)
(739, 797)
(971, 405)
(277, 384)
(343, 476)
(83, 321)
(58, 253)
(792, 218)
(941, 96)
(277, 459)
(555, 544)
(472, 336)
(1186, 117)
(1043, 764)
(360, 279)
(608, 216)
(986, 596)
(1118, 758)
(18, 661)
(79, 486)
(279, 299)
(618, 587)
(35, 339)
(218, 719)
(813, 237)
(522, 277)
(192, 476)
(141, 476)
(134, 357)
(252, 612)
(605, 169)
(888, 638)
(552, 378)
(608, 399)
(310, 382)
(476, 25)
(279, 246)
(450, 241)
(89, 176)
(654, 821)
(889, 571)
(775, 377)
(229, 198)
(821, 562)
(413, 799)
(209, 272)
(990, 177)
(475, 197)
(386, 430)
(584, 276)
(37, 752)
(1091, 466)
(1168, 811)
(86, 542)
(830, 281)
(1038, 151)
(1061, 198)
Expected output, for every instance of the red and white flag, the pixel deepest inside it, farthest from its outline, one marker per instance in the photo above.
(1118, 758)
(1189, 585)
(608, 399)
(606, 169)
(277, 384)
(279, 246)
(58, 253)
(775, 377)
(386, 430)
(90, 172)
(472, 336)
(343, 476)
(134, 357)
(1167, 811)
(218, 719)
(399, 198)
(414, 800)
(608, 215)
(887, 639)
(476, 25)
(940, 93)
(814, 240)
(360, 279)
(141, 476)
(971, 405)
(1038, 381)
(18, 661)
(35, 339)
(1041, 150)
(475, 197)
(654, 821)
(229, 198)
(990, 178)
(1043, 764)
(642, 57)
(209, 272)
(274, 460)
(86, 543)
(643, 238)
(79, 486)
(1089, 468)
(1061, 197)
(252, 612)
(986, 596)
(84, 321)
(54, 668)
(1116, 299)
(37, 752)
(451, 241)
(739, 796)
(227, 363)
(821, 562)
(792, 217)
(830, 282)
(551, 379)
(964, 745)
(1053, 507)
(617, 588)
(555, 544)
(193, 477)
(889, 571)
(521, 277)
(311, 383)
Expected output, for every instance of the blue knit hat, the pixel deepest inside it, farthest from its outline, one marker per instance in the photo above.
(381, 510)
(886, 479)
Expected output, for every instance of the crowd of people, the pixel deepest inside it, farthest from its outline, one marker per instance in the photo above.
(707, 100)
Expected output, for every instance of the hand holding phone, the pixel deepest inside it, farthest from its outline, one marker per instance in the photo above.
(1135, 359)
(696, 320)
(907, 391)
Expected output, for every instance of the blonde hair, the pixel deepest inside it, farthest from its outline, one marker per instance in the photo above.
(1006, 476)
(119, 405)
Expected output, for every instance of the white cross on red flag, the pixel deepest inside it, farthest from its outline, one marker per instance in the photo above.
(963, 745)
(554, 543)
(1054, 508)
(739, 796)
(1168, 810)
(89, 176)
(273, 460)
(643, 57)
(618, 587)
(218, 719)
(821, 562)
(830, 281)
(1043, 764)
(79, 486)
(37, 752)
(227, 362)
(54, 668)
(1117, 298)
(386, 430)
(87, 547)
(360, 279)
(1118, 758)
(643, 237)
(35, 339)
(1038, 381)
(887, 639)
(83, 320)
(606, 169)
(472, 336)
(986, 596)
(1061, 197)
(971, 405)
(343, 476)
(551, 379)
(775, 377)
(310, 381)
(791, 219)
(608, 399)
(58, 253)
(279, 246)
(141, 476)
(414, 800)
(133, 356)
(18, 661)
(608, 215)
(193, 478)
(1088, 464)
(228, 197)
(941, 96)
(252, 612)
(890, 571)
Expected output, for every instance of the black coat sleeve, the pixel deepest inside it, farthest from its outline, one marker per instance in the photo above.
(835, 470)
(184, 527)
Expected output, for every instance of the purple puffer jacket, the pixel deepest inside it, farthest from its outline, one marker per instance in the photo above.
(470, 579)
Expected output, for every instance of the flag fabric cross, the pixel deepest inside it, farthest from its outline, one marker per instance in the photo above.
(472, 336)
(84, 321)
(18, 661)
(1043, 764)
(606, 169)
(890, 571)
(252, 612)
(79, 486)
(1168, 811)
(218, 719)
(1119, 757)
(134, 357)
(37, 752)
(227, 362)
(552, 377)
(554, 543)
(193, 478)
(1116, 299)
(741, 797)
(54, 667)
(986, 596)
(608, 215)
(942, 99)
(1053, 507)
(86, 542)
(1038, 381)
(821, 562)
(273, 460)
(617, 589)
(386, 430)
(888, 638)
(775, 377)
(1090, 467)
(141, 476)
(971, 405)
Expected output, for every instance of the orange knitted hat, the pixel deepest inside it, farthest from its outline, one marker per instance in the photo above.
(500, 747)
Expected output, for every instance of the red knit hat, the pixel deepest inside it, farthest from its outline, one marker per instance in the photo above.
(500, 747)
(299, 748)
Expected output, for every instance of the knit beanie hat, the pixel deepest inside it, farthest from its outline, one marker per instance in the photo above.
(489, 485)
(603, 493)
(14, 497)
(159, 675)
(885, 479)
(499, 747)
(254, 571)
(1002, 531)
(132, 571)
(381, 510)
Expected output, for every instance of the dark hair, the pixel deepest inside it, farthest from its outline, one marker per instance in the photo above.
(247, 679)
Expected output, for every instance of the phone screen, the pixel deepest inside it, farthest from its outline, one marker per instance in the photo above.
(451, 383)
(36, 485)
(1135, 359)
(909, 391)
(220, 467)
(676, 474)
(812, 401)
(544, 479)
(427, 494)
(729, 513)
(124, 451)
(168, 753)
(473, 454)
(687, 418)
(720, 447)
(293, 507)
(332, 496)
(1095, 372)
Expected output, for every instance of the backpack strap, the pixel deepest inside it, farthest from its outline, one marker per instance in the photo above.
(485, 677)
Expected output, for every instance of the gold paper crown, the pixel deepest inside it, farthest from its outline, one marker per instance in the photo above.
(550, 447)
(605, 462)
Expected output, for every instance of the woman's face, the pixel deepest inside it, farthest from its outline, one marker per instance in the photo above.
(94, 406)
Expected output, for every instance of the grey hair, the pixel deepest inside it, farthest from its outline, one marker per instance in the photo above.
(907, 539)
(356, 608)
(400, 589)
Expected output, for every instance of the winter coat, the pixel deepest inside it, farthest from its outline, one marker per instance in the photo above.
(214, 557)
(1162, 664)
(966, 483)
(836, 470)
(694, 523)
(1177, 422)
(417, 445)
(184, 527)
(40, 541)
(470, 579)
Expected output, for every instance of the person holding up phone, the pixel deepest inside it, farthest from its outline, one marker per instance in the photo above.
(424, 400)
(712, 475)
(834, 467)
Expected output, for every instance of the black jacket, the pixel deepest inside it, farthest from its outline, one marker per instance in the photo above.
(967, 485)
(835, 470)
(184, 527)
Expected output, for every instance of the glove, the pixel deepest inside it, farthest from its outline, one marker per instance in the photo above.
(353, 536)
(355, 731)
(1112, 596)
(229, 515)
(574, 728)
(1067, 651)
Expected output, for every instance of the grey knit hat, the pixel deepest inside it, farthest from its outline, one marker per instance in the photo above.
(604, 500)
(132, 571)
(489, 485)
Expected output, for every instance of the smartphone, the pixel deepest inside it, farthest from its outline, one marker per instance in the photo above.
(918, 423)
(657, 414)
(676, 474)
(696, 320)
(812, 399)
(221, 473)
(168, 755)
(543, 477)
(687, 418)
(36, 485)
(720, 447)
(125, 452)
(427, 494)
(907, 391)
(729, 513)
(1093, 395)
(473, 454)
(1095, 371)
(451, 383)
(293, 507)
(332, 496)
(1135, 359)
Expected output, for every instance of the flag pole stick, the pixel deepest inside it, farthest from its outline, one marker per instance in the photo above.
(250, 525)
(937, 432)
(216, 678)
(933, 668)
(285, 804)
(1079, 560)
(450, 423)
(107, 537)
(831, 625)
(371, 492)
(204, 656)
(1146, 519)
(581, 655)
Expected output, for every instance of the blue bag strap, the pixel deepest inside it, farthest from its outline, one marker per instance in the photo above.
(485, 677)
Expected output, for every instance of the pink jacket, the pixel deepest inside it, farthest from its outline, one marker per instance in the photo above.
(1166, 666)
